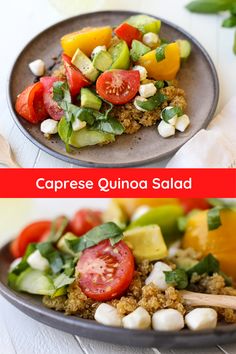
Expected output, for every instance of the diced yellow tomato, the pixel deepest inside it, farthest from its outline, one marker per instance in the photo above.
(165, 69)
(221, 242)
(86, 40)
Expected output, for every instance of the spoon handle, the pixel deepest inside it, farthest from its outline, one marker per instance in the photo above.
(199, 299)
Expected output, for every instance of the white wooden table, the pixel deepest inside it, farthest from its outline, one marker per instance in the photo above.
(20, 334)
(20, 20)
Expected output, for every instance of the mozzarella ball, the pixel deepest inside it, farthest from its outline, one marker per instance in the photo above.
(157, 275)
(201, 318)
(147, 90)
(142, 71)
(167, 320)
(49, 126)
(138, 319)
(182, 123)
(78, 124)
(14, 264)
(142, 99)
(37, 261)
(150, 39)
(37, 67)
(108, 315)
(165, 129)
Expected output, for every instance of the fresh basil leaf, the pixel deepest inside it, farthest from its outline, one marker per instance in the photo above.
(61, 92)
(164, 41)
(159, 84)
(62, 280)
(23, 265)
(99, 233)
(229, 22)
(208, 265)
(160, 52)
(209, 6)
(65, 131)
(213, 218)
(56, 232)
(177, 278)
(54, 258)
(168, 114)
(228, 280)
(233, 9)
(152, 102)
(110, 125)
(116, 239)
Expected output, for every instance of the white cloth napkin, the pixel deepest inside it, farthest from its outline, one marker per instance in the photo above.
(214, 147)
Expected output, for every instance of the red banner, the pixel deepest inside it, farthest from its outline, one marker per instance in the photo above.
(102, 183)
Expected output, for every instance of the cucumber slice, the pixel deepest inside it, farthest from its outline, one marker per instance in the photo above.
(120, 56)
(85, 137)
(185, 48)
(35, 282)
(145, 23)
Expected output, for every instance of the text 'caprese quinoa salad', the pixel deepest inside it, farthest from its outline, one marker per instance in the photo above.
(109, 82)
(163, 264)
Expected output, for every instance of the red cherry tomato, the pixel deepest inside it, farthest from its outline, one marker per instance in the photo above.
(51, 106)
(128, 33)
(30, 104)
(84, 220)
(118, 86)
(189, 204)
(31, 233)
(76, 80)
(105, 271)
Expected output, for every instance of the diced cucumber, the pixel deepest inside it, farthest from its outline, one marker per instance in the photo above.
(138, 49)
(145, 23)
(35, 282)
(102, 60)
(84, 64)
(86, 137)
(90, 99)
(185, 48)
(62, 245)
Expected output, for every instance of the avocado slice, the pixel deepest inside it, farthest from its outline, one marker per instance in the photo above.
(90, 99)
(138, 49)
(87, 137)
(84, 64)
(145, 23)
(102, 61)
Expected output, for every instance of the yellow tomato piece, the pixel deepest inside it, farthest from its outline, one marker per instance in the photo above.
(146, 243)
(129, 205)
(221, 242)
(165, 69)
(86, 40)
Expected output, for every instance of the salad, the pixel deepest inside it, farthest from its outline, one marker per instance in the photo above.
(107, 82)
(142, 263)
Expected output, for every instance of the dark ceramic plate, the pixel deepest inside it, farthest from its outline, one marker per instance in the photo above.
(32, 306)
(197, 77)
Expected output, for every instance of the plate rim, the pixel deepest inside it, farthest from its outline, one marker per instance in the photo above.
(43, 314)
(88, 164)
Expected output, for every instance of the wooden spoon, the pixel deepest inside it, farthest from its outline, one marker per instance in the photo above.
(6, 156)
(199, 299)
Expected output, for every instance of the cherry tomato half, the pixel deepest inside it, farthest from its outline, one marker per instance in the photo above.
(76, 80)
(105, 271)
(189, 204)
(51, 106)
(30, 104)
(84, 220)
(128, 33)
(118, 86)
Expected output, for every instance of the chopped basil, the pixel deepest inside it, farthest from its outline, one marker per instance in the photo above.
(56, 233)
(209, 6)
(208, 265)
(177, 278)
(65, 130)
(229, 22)
(23, 265)
(160, 52)
(213, 218)
(54, 258)
(159, 84)
(168, 114)
(61, 92)
(110, 125)
(62, 280)
(99, 233)
(152, 102)
(228, 280)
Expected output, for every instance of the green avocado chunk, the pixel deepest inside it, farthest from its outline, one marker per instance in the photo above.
(86, 137)
(90, 99)
(102, 61)
(145, 23)
(138, 49)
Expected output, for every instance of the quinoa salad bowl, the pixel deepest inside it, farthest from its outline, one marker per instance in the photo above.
(112, 89)
(143, 272)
